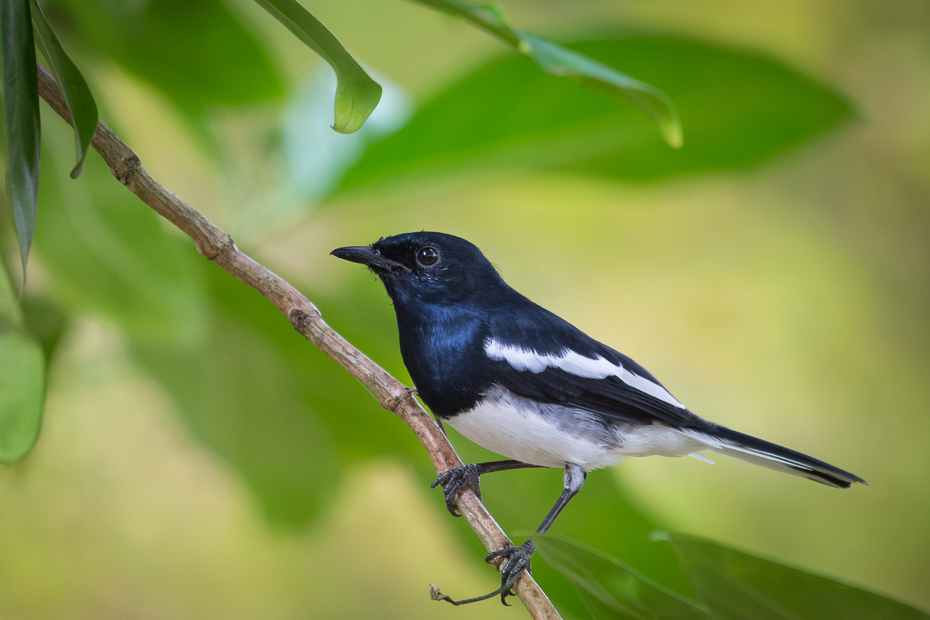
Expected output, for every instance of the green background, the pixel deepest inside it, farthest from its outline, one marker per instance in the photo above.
(200, 460)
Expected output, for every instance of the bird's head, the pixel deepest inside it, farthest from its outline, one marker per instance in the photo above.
(426, 267)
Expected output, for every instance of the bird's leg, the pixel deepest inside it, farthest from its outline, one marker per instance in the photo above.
(518, 558)
(454, 480)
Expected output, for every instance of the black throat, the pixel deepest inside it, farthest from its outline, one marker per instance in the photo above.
(441, 346)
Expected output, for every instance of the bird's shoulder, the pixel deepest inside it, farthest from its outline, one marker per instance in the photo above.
(526, 325)
(536, 354)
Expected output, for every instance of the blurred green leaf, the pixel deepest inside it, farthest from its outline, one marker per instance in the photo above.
(282, 414)
(738, 585)
(21, 119)
(110, 255)
(601, 516)
(201, 334)
(612, 589)
(238, 396)
(11, 312)
(22, 395)
(72, 84)
(740, 109)
(288, 418)
(558, 60)
(357, 94)
(597, 76)
(45, 321)
(199, 54)
(22, 380)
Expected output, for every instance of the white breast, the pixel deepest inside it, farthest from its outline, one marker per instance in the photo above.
(553, 435)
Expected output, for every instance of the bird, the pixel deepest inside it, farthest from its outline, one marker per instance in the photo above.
(524, 383)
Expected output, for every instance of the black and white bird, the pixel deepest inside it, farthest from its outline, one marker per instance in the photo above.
(515, 378)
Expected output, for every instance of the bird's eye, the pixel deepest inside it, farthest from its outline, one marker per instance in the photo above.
(427, 256)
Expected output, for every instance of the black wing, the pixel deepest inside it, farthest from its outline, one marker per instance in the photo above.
(538, 331)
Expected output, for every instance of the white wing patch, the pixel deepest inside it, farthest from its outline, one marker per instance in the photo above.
(578, 365)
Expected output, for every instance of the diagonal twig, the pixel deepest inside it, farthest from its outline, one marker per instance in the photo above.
(219, 247)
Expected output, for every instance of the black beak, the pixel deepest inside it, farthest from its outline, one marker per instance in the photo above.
(366, 255)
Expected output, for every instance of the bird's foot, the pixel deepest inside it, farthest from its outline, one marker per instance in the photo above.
(518, 562)
(519, 559)
(454, 480)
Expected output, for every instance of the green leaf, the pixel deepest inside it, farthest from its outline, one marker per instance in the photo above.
(558, 60)
(77, 94)
(22, 380)
(612, 589)
(741, 109)
(737, 585)
(199, 54)
(597, 76)
(22, 395)
(21, 119)
(357, 94)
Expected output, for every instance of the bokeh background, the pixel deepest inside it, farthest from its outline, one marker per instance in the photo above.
(199, 460)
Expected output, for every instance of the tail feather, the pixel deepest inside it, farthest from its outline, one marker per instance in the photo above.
(747, 448)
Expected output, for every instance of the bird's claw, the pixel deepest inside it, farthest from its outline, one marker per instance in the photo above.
(519, 559)
(454, 480)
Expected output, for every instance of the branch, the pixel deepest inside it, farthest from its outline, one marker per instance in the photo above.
(219, 247)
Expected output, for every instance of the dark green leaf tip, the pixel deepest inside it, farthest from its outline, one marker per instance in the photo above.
(558, 60)
(73, 87)
(357, 95)
(21, 118)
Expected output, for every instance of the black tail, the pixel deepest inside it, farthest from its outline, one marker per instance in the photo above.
(737, 445)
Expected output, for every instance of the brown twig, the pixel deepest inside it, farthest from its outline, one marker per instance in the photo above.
(219, 247)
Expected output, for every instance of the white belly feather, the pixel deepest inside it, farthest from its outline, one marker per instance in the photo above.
(553, 435)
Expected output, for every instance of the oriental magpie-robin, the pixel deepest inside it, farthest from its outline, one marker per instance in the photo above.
(518, 380)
